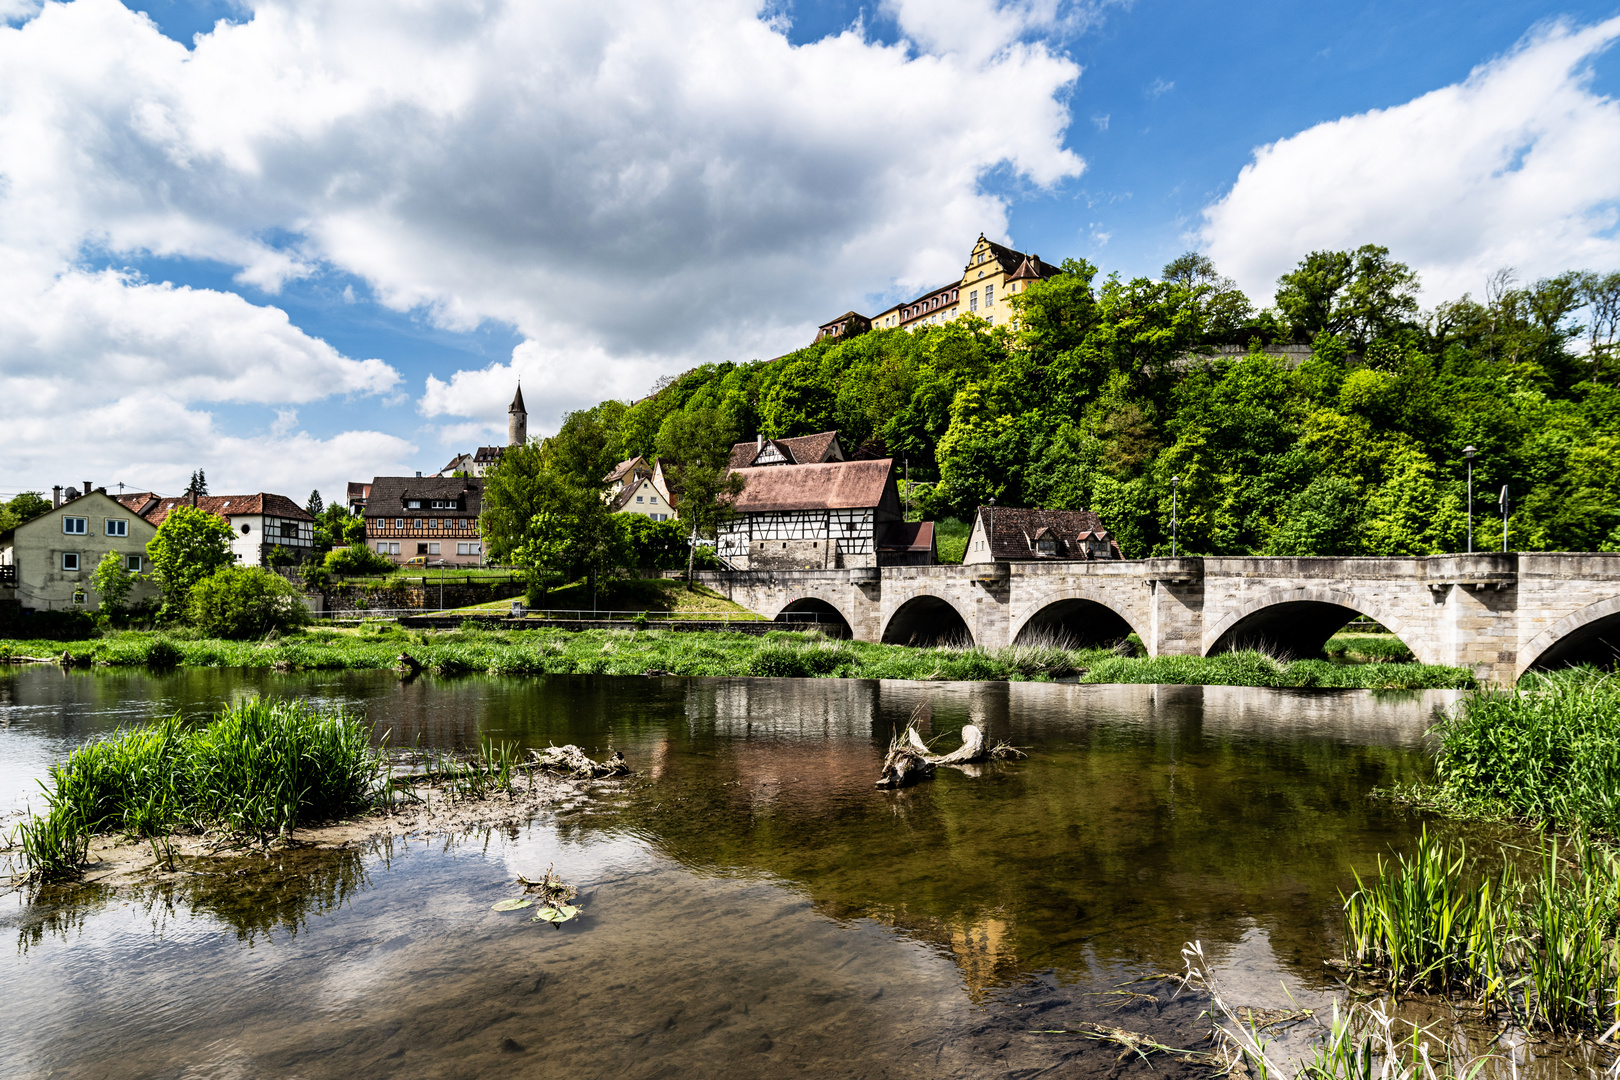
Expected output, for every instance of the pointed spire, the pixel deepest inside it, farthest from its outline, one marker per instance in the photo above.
(517, 401)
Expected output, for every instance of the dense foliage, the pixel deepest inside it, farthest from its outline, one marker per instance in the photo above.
(1110, 388)
(241, 602)
(190, 544)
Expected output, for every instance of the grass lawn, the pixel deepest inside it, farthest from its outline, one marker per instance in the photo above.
(951, 537)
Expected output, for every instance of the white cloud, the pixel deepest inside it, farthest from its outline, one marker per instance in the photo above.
(640, 185)
(1518, 165)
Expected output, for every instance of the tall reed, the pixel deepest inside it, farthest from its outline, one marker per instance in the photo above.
(1543, 945)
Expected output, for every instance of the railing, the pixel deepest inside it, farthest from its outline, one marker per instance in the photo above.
(569, 615)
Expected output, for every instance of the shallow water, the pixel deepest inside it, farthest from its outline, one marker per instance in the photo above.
(753, 905)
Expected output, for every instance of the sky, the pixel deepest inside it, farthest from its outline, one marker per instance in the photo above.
(296, 244)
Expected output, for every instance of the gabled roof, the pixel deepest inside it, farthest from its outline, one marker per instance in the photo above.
(388, 495)
(836, 485)
(1016, 529)
(624, 469)
(137, 502)
(229, 506)
(801, 450)
(1032, 269)
(908, 536)
(488, 455)
(457, 463)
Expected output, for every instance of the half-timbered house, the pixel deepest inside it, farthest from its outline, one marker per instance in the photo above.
(828, 515)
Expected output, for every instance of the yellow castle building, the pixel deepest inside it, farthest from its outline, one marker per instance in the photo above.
(994, 273)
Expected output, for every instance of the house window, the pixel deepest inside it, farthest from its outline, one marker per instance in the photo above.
(989, 295)
(639, 499)
(399, 523)
(421, 549)
(132, 563)
(433, 523)
(973, 300)
(70, 560)
(117, 527)
(382, 547)
(433, 549)
(75, 526)
(654, 500)
(461, 549)
(414, 504)
(393, 549)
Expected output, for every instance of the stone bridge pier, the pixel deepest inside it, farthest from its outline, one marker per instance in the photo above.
(1498, 614)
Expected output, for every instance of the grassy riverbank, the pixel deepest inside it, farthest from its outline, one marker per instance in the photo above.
(1546, 752)
(779, 653)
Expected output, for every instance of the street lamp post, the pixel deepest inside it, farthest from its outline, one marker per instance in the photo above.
(1502, 501)
(1175, 487)
(1469, 452)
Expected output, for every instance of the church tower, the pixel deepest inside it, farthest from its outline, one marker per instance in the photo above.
(517, 421)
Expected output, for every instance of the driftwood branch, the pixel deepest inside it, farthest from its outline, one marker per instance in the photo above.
(910, 759)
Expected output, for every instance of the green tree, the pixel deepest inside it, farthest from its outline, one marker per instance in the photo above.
(190, 545)
(113, 581)
(21, 508)
(699, 443)
(1360, 295)
(314, 507)
(515, 490)
(198, 484)
(245, 602)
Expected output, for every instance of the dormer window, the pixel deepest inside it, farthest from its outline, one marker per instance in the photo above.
(1046, 546)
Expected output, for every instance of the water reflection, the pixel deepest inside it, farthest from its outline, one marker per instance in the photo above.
(748, 880)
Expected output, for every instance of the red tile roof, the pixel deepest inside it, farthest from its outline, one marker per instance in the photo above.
(908, 536)
(837, 485)
(800, 450)
(228, 506)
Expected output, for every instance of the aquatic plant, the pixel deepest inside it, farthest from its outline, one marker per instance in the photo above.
(258, 769)
(1544, 946)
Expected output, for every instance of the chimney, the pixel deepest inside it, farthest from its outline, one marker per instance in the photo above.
(86, 488)
(419, 474)
(759, 442)
(56, 496)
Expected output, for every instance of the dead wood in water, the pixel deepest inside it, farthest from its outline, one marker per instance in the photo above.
(909, 758)
(572, 761)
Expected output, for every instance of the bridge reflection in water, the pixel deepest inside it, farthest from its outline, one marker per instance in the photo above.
(1498, 614)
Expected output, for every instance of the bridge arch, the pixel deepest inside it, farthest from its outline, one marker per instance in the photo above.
(1080, 615)
(927, 620)
(1588, 636)
(1298, 622)
(832, 621)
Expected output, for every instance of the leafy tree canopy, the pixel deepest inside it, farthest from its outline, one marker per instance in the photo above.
(190, 545)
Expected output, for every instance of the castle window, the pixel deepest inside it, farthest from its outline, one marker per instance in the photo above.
(973, 300)
(989, 295)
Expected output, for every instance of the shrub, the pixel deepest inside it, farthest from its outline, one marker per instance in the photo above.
(357, 560)
(72, 625)
(162, 654)
(244, 602)
(781, 661)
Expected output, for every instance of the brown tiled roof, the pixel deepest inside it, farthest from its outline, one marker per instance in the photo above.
(388, 495)
(1017, 528)
(1033, 269)
(488, 455)
(623, 468)
(836, 485)
(908, 536)
(138, 502)
(229, 506)
(800, 450)
(358, 490)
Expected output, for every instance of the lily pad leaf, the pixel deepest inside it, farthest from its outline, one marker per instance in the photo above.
(512, 904)
(558, 914)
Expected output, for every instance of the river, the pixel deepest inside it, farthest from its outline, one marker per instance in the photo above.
(753, 906)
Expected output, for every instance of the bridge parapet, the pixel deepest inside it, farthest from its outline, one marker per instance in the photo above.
(1493, 612)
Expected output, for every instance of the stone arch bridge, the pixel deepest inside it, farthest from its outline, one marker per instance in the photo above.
(1497, 614)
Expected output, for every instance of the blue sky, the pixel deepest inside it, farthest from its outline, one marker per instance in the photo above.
(442, 204)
